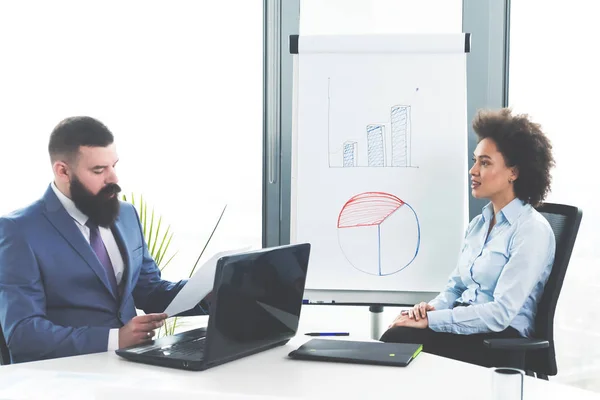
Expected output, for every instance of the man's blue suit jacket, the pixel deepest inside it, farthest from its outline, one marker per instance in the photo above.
(55, 297)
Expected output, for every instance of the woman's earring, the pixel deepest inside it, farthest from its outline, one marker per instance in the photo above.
(510, 181)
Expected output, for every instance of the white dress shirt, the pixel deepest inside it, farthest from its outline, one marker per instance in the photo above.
(109, 242)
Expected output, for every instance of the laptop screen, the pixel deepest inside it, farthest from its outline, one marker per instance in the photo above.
(257, 299)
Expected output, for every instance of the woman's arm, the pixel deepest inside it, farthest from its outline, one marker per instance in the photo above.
(453, 290)
(531, 256)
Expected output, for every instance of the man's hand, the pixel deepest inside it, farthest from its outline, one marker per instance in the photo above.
(405, 320)
(419, 311)
(140, 329)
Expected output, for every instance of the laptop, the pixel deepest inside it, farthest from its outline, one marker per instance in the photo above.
(376, 353)
(256, 303)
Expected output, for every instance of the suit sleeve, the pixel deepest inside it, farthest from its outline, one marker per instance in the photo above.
(151, 293)
(29, 334)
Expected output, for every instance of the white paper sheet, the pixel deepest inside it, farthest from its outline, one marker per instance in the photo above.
(199, 285)
(374, 125)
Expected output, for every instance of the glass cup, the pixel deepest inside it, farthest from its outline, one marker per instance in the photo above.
(507, 384)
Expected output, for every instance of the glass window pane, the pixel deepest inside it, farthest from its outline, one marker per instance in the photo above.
(554, 78)
(324, 17)
(178, 83)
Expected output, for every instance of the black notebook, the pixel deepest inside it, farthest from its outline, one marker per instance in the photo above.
(377, 353)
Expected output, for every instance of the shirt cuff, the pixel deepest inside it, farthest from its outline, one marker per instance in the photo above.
(113, 340)
(439, 305)
(440, 320)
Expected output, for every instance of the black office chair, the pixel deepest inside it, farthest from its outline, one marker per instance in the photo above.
(537, 355)
(4, 354)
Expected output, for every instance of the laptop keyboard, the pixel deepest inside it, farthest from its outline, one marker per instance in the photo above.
(192, 350)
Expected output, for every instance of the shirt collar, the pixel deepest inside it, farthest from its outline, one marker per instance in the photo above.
(510, 212)
(513, 209)
(68, 204)
(487, 212)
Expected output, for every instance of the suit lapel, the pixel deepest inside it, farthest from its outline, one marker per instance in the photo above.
(64, 224)
(118, 230)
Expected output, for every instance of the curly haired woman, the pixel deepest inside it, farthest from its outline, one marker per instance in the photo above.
(507, 253)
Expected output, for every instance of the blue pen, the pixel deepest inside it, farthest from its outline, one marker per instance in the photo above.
(328, 334)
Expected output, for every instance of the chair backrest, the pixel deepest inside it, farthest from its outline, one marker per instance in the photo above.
(565, 221)
(4, 354)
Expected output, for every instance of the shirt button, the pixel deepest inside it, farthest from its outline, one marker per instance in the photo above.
(119, 314)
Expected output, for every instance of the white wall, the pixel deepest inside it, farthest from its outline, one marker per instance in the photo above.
(178, 83)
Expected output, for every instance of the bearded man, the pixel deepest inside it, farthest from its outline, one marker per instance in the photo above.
(74, 265)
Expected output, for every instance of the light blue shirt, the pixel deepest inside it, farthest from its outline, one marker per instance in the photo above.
(502, 275)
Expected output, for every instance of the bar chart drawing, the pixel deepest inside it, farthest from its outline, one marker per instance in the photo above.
(372, 136)
(350, 154)
(375, 145)
(387, 229)
(400, 126)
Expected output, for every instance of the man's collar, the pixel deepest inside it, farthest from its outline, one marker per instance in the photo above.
(68, 204)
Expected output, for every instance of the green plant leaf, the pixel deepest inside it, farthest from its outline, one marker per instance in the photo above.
(168, 261)
(155, 239)
(166, 247)
(164, 242)
(149, 239)
(173, 326)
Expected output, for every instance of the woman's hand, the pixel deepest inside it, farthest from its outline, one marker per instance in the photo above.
(405, 320)
(419, 311)
(415, 317)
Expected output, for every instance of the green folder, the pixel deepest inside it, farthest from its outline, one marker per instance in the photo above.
(376, 353)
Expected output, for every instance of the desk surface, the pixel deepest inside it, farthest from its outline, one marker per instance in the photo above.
(265, 375)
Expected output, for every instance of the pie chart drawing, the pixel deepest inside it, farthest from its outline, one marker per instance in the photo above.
(378, 233)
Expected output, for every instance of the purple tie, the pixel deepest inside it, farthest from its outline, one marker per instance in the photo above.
(100, 250)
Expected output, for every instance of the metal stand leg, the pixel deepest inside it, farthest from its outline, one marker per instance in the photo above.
(376, 311)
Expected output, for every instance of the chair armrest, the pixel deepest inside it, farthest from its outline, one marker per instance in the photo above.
(518, 344)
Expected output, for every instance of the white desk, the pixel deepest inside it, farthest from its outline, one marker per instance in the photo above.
(265, 375)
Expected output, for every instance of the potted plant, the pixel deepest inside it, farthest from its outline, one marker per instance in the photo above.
(158, 239)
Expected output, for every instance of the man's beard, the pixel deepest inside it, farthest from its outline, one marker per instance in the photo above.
(101, 208)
